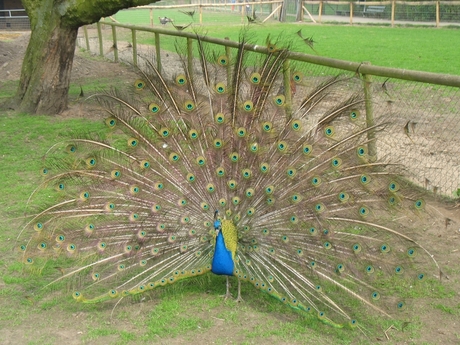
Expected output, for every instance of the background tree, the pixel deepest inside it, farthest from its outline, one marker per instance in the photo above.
(45, 75)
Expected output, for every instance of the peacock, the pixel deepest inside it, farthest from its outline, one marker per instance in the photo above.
(242, 165)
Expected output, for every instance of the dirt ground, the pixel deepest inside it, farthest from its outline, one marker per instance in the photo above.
(12, 49)
(443, 239)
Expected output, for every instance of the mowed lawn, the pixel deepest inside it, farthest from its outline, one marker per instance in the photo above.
(416, 48)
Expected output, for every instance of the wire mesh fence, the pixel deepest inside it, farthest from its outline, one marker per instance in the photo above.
(420, 121)
(220, 14)
(224, 12)
(392, 12)
(235, 12)
(14, 20)
(421, 132)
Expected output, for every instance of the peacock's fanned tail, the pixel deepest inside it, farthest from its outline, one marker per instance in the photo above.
(314, 212)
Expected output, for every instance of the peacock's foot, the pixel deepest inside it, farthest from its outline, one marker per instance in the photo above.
(226, 296)
(239, 299)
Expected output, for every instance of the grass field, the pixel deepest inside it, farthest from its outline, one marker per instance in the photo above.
(414, 48)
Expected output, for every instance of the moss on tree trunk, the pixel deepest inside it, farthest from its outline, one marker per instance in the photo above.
(46, 69)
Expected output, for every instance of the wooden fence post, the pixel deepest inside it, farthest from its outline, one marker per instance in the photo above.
(287, 89)
(437, 14)
(133, 34)
(320, 11)
(393, 5)
(99, 36)
(351, 13)
(371, 145)
(300, 11)
(190, 58)
(228, 53)
(115, 43)
(85, 31)
(158, 51)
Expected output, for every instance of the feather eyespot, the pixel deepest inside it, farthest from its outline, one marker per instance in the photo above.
(222, 60)
(181, 79)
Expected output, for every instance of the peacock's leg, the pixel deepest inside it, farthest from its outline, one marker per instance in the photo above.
(228, 293)
(238, 298)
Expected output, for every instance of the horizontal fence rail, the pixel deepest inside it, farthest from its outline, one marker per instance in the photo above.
(421, 110)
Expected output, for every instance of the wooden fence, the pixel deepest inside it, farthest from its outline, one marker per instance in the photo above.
(275, 7)
(318, 11)
(424, 77)
(414, 98)
(378, 9)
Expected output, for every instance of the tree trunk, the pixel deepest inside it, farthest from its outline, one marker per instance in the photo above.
(46, 69)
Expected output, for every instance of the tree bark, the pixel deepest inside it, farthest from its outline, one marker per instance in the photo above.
(47, 65)
(46, 69)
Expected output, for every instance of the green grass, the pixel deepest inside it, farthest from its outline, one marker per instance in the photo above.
(452, 310)
(414, 48)
(22, 163)
(8, 88)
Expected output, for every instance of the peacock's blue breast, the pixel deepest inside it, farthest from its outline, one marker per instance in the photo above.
(222, 262)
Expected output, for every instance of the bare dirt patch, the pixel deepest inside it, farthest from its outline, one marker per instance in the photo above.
(13, 47)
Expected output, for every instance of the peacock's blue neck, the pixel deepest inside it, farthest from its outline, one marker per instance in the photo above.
(222, 261)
